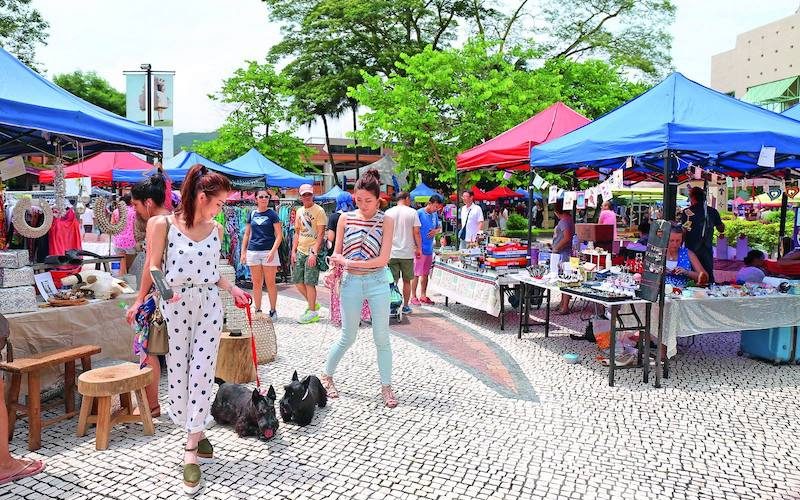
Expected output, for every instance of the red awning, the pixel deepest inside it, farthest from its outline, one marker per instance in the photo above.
(512, 148)
(99, 167)
(479, 194)
(501, 192)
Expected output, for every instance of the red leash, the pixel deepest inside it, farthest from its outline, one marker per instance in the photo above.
(252, 336)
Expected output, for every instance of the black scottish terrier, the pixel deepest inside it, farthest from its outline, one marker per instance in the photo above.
(250, 412)
(301, 398)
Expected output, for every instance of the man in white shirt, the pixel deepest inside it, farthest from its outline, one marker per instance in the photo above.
(471, 220)
(406, 244)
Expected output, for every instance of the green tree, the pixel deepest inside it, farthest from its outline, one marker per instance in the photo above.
(94, 89)
(440, 103)
(261, 100)
(22, 29)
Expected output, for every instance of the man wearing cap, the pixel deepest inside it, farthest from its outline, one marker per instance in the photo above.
(310, 221)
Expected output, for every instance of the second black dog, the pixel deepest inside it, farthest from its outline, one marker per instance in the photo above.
(250, 412)
(301, 398)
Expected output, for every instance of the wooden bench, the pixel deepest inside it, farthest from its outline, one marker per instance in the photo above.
(32, 367)
(102, 384)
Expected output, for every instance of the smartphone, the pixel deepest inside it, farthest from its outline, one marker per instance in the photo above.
(161, 284)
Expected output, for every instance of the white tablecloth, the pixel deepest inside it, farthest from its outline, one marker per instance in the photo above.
(688, 317)
(474, 289)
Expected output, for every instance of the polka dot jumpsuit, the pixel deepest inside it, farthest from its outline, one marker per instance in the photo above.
(194, 324)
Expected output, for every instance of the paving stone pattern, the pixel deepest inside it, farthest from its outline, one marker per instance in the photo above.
(723, 427)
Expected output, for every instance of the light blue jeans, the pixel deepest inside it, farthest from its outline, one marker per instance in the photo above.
(354, 289)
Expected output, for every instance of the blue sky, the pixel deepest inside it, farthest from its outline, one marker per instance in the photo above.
(204, 41)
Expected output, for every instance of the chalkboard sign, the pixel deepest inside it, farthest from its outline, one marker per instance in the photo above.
(654, 259)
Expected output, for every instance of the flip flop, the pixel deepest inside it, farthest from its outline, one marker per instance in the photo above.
(30, 469)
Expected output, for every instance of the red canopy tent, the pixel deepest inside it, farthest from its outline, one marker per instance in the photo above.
(99, 167)
(501, 192)
(479, 194)
(512, 148)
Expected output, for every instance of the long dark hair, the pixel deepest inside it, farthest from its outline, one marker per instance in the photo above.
(198, 180)
(370, 181)
(153, 188)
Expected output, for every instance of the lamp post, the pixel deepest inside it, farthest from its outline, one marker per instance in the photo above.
(148, 92)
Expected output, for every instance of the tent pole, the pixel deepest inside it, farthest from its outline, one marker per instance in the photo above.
(457, 225)
(782, 232)
(530, 213)
(669, 215)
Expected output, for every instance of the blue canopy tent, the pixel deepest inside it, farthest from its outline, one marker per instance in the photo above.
(177, 167)
(675, 124)
(254, 163)
(524, 192)
(695, 124)
(330, 195)
(37, 116)
(793, 112)
(422, 191)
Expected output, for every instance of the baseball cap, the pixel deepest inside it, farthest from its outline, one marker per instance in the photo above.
(306, 188)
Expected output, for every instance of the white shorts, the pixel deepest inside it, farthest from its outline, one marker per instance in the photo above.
(259, 258)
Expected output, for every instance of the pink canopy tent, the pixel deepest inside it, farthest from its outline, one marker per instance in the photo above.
(512, 148)
(99, 167)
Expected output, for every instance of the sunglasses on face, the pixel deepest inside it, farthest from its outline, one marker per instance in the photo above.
(262, 197)
(306, 194)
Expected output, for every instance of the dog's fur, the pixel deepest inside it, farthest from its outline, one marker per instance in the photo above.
(250, 412)
(301, 398)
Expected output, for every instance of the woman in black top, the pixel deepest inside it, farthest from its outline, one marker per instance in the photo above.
(262, 239)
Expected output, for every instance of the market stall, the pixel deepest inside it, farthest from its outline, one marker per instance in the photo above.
(99, 168)
(676, 130)
(178, 166)
(256, 164)
(484, 291)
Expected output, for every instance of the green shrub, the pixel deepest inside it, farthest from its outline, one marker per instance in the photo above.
(516, 222)
(760, 235)
(725, 215)
(774, 217)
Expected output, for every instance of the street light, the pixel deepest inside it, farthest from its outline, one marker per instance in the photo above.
(149, 92)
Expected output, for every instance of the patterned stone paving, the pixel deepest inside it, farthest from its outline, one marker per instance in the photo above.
(723, 427)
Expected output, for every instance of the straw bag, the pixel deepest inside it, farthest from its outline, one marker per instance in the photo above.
(236, 319)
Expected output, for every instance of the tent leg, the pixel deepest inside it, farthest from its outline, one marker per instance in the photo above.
(530, 213)
(457, 225)
(782, 232)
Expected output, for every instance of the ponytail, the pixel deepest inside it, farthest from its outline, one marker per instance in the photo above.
(199, 180)
(156, 187)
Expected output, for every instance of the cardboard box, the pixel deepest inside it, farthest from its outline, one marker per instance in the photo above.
(17, 299)
(16, 277)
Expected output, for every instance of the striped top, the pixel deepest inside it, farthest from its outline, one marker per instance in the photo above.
(362, 239)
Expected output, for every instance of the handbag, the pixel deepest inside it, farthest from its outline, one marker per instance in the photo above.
(462, 234)
(158, 338)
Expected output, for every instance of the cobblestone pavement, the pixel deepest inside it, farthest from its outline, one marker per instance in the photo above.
(525, 425)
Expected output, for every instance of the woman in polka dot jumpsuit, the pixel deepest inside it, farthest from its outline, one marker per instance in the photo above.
(194, 315)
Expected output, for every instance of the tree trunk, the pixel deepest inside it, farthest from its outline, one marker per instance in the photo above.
(332, 163)
(355, 139)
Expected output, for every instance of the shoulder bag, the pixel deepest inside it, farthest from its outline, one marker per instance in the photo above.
(158, 339)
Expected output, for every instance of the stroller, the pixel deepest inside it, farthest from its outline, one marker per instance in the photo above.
(395, 299)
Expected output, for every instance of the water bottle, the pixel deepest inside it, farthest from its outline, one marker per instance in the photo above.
(575, 245)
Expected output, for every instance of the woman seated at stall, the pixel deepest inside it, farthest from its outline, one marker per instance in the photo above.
(681, 263)
(753, 272)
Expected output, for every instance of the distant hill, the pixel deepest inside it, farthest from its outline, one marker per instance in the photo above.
(186, 139)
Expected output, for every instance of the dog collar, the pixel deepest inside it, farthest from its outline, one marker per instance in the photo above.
(304, 396)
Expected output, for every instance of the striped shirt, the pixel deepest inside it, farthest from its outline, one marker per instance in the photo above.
(362, 239)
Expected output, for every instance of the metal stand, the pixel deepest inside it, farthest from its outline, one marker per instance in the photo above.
(525, 321)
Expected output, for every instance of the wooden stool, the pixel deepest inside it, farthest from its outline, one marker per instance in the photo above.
(105, 383)
(235, 359)
(32, 367)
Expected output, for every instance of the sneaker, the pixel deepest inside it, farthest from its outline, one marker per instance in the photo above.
(309, 317)
(273, 314)
(416, 302)
(406, 310)
(426, 300)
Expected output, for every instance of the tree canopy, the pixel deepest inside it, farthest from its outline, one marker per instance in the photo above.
(262, 102)
(440, 103)
(22, 29)
(94, 89)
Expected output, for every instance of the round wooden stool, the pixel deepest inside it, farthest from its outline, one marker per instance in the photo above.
(104, 383)
(235, 359)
